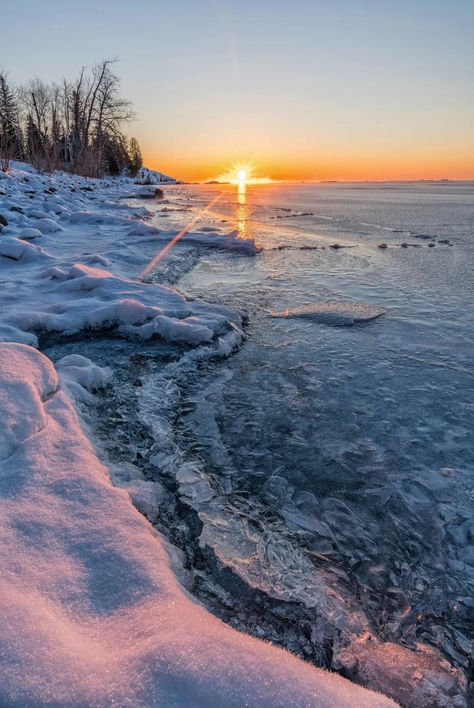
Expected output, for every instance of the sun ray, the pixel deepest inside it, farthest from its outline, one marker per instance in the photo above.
(161, 254)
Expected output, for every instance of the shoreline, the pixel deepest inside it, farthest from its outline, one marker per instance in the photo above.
(145, 494)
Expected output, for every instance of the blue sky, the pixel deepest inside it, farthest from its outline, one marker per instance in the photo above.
(311, 88)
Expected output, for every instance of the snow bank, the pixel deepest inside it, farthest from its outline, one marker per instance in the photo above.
(90, 609)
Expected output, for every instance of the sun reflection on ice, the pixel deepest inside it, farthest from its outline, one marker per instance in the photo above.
(242, 213)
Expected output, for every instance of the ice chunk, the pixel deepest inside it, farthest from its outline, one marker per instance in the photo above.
(334, 313)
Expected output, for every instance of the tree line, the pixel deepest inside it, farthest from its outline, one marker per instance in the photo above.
(74, 126)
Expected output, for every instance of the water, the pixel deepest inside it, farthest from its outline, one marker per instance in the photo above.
(334, 455)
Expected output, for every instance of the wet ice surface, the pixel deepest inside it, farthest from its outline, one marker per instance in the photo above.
(347, 446)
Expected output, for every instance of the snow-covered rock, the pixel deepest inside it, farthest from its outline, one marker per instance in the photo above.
(146, 176)
(29, 234)
(46, 225)
(149, 193)
(17, 249)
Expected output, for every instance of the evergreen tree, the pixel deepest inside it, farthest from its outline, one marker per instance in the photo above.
(135, 156)
(10, 133)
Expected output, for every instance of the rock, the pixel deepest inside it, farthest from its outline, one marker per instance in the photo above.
(383, 245)
(403, 245)
(3, 221)
(150, 192)
(335, 245)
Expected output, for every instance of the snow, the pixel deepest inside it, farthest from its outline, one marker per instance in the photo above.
(46, 225)
(146, 176)
(29, 233)
(79, 375)
(91, 609)
(82, 224)
(17, 249)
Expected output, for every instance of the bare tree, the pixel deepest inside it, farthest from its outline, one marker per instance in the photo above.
(78, 125)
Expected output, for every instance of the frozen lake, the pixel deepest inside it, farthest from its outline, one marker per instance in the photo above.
(339, 450)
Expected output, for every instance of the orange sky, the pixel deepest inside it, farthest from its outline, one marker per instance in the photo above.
(406, 164)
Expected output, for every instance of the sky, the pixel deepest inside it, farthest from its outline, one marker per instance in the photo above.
(301, 89)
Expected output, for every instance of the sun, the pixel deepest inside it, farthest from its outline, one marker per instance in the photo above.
(242, 174)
